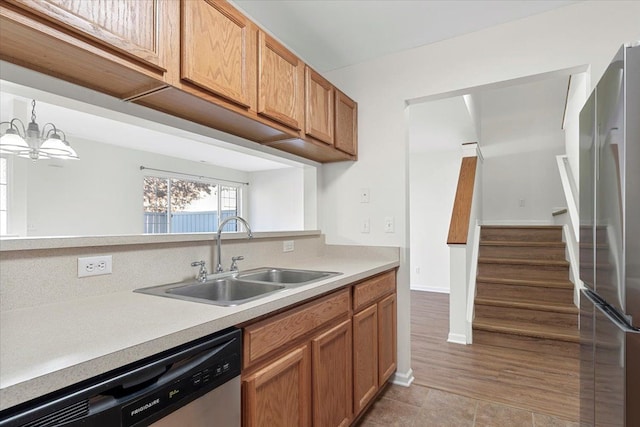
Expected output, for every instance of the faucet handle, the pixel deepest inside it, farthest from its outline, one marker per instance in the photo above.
(234, 264)
(202, 274)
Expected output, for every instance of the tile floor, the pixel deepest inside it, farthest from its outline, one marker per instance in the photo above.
(418, 406)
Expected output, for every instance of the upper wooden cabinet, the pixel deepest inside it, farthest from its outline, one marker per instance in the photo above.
(133, 28)
(319, 110)
(118, 47)
(280, 83)
(200, 60)
(346, 128)
(218, 53)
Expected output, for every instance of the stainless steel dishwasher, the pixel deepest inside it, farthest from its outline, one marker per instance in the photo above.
(193, 385)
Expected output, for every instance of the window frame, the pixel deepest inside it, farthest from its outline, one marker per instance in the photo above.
(240, 194)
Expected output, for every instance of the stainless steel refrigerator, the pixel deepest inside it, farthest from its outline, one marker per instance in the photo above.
(610, 246)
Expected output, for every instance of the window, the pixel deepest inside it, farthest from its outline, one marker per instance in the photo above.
(174, 205)
(4, 196)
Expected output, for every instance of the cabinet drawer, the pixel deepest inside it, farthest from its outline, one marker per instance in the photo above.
(271, 334)
(373, 289)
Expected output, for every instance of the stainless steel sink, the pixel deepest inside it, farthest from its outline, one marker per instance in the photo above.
(285, 276)
(225, 291)
(236, 288)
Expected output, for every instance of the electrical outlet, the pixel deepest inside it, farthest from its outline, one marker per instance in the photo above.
(287, 246)
(94, 266)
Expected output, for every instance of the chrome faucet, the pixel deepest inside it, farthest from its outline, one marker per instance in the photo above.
(234, 262)
(219, 268)
(202, 274)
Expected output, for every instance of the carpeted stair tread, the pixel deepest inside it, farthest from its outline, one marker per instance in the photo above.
(529, 305)
(529, 330)
(521, 243)
(566, 284)
(522, 261)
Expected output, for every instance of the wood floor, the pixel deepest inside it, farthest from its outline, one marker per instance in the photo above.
(526, 375)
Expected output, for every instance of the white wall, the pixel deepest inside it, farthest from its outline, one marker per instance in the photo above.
(433, 178)
(522, 134)
(276, 200)
(437, 130)
(532, 177)
(475, 112)
(583, 33)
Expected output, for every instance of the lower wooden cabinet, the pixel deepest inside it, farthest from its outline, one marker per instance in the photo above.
(365, 357)
(331, 377)
(387, 347)
(280, 393)
(321, 363)
(374, 337)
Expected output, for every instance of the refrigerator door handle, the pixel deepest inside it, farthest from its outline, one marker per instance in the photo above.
(593, 297)
(618, 319)
(612, 314)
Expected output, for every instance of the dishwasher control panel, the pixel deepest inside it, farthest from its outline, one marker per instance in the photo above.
(183, 390)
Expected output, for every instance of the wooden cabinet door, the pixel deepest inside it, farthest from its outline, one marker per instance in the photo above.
(331, 365)
(280, 393)
(280, 83)
(134, 28)
(386, 338)
(365, 357)
(346, 136)
(319, 109)
(218, 49)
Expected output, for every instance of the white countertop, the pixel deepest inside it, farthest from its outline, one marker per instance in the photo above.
(45, 348)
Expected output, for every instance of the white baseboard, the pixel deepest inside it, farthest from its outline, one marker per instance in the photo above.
(428, 289)
(404, 380)
(517, 222)
(457, 338)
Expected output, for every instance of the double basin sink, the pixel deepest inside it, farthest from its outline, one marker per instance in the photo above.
(234, 288)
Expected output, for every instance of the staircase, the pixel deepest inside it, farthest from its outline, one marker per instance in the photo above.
(524, 297)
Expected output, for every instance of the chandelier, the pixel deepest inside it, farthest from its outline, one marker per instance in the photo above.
(31, 143)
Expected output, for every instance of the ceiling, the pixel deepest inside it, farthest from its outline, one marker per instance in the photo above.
(331, 34)
(514, 118)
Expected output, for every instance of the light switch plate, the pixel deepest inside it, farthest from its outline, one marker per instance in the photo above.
(388, 224)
